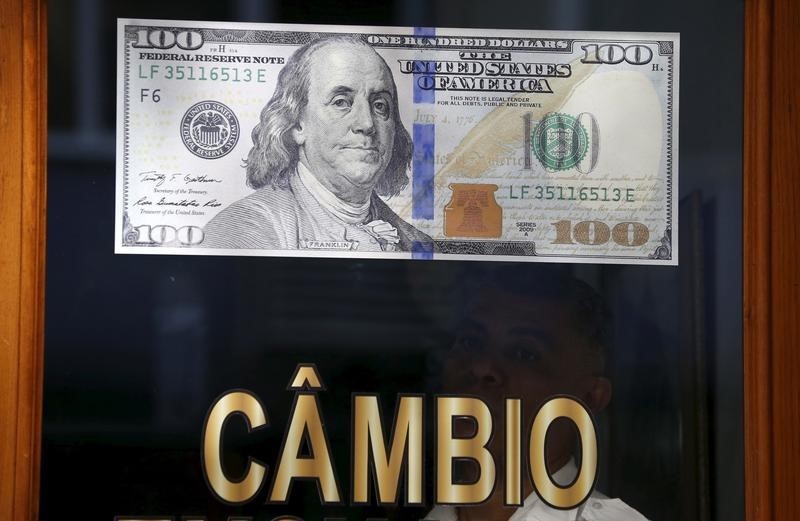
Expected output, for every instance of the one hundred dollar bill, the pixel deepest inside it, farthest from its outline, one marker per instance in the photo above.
(396, 142)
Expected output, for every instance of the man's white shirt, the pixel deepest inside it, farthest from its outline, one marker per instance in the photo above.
(597, 508)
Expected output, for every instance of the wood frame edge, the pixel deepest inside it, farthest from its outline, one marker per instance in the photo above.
(23, 229)
(771, 314)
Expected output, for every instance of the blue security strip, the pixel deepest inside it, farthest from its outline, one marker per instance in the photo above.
(422, 171)
(422, 250)
(423, 95)
(422, 168)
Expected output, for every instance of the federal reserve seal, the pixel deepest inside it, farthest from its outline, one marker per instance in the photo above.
(209, 129)
(559, 141)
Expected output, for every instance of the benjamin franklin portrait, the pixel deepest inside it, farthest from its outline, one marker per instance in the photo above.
(328, 148)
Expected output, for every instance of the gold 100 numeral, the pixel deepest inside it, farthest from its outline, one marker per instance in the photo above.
(595, 233)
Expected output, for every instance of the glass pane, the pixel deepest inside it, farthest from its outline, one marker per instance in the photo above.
(139, 347)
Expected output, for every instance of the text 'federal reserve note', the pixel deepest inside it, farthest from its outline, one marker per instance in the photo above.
(396, 142)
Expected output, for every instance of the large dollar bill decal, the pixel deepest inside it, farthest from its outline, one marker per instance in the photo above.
(386, 142)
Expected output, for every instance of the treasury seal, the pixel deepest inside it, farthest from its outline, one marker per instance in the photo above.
(209, 129)
(559, 141)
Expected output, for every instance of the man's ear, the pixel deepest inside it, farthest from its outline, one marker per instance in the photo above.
(298, 135)
(597, 393)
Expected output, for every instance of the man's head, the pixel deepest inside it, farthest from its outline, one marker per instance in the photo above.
(531, 332)
(334, 109)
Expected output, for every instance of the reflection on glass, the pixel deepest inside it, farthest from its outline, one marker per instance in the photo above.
(531, 333)
(138, 348)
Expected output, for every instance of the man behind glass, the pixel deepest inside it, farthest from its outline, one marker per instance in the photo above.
(531, 332)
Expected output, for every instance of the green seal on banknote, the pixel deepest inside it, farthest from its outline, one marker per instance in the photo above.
(559, 141)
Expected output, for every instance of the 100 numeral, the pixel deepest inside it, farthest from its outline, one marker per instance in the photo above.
(165, 234)
(595, 233)
(165, 39)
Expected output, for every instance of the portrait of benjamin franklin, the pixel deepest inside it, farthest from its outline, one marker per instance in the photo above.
(328, 147)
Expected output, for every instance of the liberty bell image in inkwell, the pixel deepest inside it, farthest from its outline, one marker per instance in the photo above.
(473, 211)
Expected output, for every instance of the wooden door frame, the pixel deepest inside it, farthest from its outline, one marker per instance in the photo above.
(23, 134)
(771, 273)
(771, 269)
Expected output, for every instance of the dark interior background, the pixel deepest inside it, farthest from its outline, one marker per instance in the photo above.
(138, 347)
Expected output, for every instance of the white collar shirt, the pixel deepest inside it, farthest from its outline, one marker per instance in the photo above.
(597, 508)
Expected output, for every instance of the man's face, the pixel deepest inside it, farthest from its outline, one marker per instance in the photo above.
(512, 345)
(522, 347)
(346, 132)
